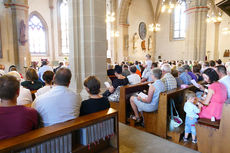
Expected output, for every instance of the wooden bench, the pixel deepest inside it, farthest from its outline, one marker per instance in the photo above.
(125, 93)
(157, 122)
(214, 137)
(67, 137)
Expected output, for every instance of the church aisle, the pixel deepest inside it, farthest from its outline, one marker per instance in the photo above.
(136, 141)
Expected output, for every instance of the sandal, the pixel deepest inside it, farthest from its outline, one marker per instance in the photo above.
(137, 119)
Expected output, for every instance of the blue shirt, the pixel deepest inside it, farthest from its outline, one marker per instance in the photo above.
(159, 87)
(191, 110)
(186, 78)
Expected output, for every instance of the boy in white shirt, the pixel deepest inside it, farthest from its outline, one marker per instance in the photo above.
(133, 77)
(191, 115)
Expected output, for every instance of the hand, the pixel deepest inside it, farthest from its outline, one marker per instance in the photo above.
(201, 87)
(139, 98)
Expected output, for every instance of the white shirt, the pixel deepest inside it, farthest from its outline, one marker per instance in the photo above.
(134, 78)
(24, 97)
(57, 105)
(191, 110)
(226, 81)
(149, 64)
(42, 70)
(43, 90)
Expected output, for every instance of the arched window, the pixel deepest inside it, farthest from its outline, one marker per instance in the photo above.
(37, 35)
(64, 21)
(179, 19)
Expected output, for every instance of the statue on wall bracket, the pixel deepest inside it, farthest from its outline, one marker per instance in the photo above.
(135, 38)
(22, 34)
(150, 43)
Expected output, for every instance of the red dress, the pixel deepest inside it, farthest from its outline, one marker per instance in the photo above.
(216, 103)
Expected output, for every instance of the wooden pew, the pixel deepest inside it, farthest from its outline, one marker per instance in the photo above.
(214, 137)
(125, 93)
(65, 136)
(157, 122)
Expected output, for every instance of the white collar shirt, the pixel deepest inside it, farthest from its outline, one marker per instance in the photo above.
(58, 105)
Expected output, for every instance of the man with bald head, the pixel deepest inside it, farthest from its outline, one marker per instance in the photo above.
(60, 103)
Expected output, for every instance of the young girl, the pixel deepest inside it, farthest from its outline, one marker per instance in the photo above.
(191, 115)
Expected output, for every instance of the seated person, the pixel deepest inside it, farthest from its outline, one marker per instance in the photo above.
(14, 68)
(60, 104)
(44, 67)
(178, 80)
(125, 71)
(25, 96)
(15, 120)
(224, 78)
(119, 81)
(189, 72)
(134, 78)
(191, 111)
(168, 80)
(217, 95)
(110, 72)
(147, 76)
(196, 71)
(150, 103)
(32, 82)
(184, 76)
(96, 102)
(48, 78)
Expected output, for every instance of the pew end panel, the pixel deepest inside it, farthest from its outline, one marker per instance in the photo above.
(213, 138)
(38, 137)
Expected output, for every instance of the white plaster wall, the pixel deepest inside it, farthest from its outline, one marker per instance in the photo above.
(139, 11)
(6, 36)
(165, 47)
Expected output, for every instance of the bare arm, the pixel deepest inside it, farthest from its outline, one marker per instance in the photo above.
(150, 95)
(208, 97)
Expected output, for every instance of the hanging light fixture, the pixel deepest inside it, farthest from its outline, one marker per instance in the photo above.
(154, 27)
(171, 4)
(110, 17)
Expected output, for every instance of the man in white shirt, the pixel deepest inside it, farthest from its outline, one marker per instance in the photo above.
(133, 77)
(43, 69)
(60, 103)
(224, 78)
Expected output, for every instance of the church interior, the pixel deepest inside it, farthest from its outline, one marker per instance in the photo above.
(89, 37)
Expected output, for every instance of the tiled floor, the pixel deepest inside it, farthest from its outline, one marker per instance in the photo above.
(136, 141)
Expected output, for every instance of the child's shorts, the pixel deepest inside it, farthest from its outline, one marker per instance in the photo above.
(190, 125)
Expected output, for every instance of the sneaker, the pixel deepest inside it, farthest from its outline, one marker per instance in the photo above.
(194, 141)
(185, 139)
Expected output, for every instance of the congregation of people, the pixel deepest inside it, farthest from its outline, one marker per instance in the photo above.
(52, 101)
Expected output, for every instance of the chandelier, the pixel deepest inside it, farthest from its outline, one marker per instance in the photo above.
(154, 27)
(169, 5)
(226, 31)
(215, 14)
(110, 17)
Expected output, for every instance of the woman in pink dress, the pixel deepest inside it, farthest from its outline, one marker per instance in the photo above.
(217, 95)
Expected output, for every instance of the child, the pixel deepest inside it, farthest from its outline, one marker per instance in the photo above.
(191, 115)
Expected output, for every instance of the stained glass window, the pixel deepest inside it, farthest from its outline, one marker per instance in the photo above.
(64, 14)
(37, 36)
(179, 22)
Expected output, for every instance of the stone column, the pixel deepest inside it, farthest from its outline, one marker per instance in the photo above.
(196, 28)
(51, 6)
(87, 41)
(216, 41)
(123, 43)
(19, 12)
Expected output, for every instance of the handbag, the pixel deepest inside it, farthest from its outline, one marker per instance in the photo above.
(115, 96)
(175, 121)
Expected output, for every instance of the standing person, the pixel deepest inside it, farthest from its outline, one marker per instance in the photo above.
(60, 104)
(147, 76)
(191, 111)
(42, 69)
(148, 64)
(48, 78)
(15, 120)
(96, 102)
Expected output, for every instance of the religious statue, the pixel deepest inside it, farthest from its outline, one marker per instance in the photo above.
(143, 46)
(150, 43)
(135, 38)
(227, 53)
(22, 36)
